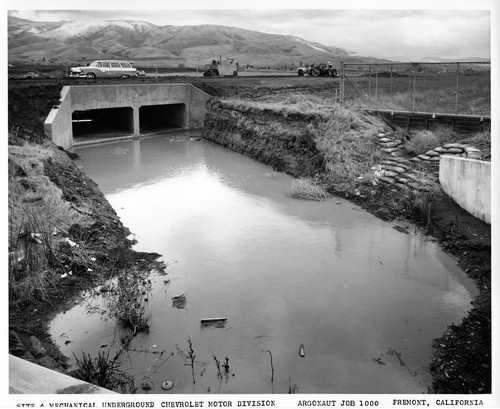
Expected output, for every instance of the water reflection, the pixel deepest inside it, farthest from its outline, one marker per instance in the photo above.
(284, 272)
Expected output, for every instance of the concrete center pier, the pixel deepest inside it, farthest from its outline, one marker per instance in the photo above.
(124, 110)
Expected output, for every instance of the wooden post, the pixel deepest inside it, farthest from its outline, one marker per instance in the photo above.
(391, 80)
(342, 82)
(414, 84)
(369, 80)
(456, 92)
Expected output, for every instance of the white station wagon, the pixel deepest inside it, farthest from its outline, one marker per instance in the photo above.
(105, 69)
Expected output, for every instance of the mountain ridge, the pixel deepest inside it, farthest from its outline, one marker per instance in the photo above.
(143, 42)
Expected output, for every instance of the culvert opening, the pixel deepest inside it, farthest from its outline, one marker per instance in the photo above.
(103, 123)
(158, 118)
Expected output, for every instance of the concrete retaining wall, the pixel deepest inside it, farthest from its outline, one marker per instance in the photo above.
(58, 125)
(26, 377)
(468, 183)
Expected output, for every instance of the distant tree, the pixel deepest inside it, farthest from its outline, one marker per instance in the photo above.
(181, 65)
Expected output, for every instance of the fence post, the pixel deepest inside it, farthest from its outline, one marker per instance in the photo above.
(369, 81)
(342, 82)
(391, 80)
(376, 83)
(456, 90)
(414, 84)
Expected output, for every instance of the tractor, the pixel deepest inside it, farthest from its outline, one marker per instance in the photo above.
(221, 68)
(321, 70)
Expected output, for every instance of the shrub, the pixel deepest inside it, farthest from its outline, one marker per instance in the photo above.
(422, 142)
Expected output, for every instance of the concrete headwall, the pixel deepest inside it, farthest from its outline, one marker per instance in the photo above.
(58, 125)
(468, 183)
(26, 377)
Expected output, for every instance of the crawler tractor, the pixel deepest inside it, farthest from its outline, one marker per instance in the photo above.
(222, 68)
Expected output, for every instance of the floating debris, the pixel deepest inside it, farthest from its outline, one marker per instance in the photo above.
(167, 385)
(213, 322)
(400, 229)
(119, 151)
(302, 351)
(179, 301)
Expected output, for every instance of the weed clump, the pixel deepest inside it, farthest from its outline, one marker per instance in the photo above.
(308, 189)
(104, 371)
(422, 142)
(128, 301)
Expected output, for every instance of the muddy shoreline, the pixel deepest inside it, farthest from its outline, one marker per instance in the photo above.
(462, 361)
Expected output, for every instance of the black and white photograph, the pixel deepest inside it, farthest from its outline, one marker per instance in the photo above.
(251, 204)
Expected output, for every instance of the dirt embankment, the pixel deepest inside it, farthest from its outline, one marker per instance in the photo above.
(51, 259)
(462, 362)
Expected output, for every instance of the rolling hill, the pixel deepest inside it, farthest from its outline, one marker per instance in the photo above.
(149, 44)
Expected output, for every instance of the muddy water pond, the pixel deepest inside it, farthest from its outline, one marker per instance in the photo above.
(342, 301)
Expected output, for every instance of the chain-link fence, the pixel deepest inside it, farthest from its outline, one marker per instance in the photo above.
(450, 87)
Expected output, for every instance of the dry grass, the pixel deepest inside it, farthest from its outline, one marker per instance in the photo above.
(290, 104)
(421, 142)
(349, 146)
(36, 210)
(128, 300)
(307, 189)
(344, 137)
(104, 371)
(473, 98)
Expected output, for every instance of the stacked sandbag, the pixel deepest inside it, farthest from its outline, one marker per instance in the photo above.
(456, 149)
(399, 173)
(388, 143)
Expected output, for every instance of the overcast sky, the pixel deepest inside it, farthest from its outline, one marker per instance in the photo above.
(438, 28)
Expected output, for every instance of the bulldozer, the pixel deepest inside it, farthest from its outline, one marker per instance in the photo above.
(321, 70)
(221, 67)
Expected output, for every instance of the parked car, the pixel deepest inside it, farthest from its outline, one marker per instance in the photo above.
(105, 69)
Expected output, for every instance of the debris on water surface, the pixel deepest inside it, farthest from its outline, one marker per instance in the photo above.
(401, 229)
(179, 301)
(213, 322)
(302, 351)
(379, 360)
(119, 151)
(167, 385)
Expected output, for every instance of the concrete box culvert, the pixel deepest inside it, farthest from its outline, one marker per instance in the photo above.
(103, 122)
(159, 106)
(157, 118)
